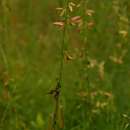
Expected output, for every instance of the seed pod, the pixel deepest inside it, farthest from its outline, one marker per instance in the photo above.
(59, 23)
(61, 117)
(68, 57)
(70, 7)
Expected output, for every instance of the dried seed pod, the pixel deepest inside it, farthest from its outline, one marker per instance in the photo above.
(68, 56)
(62, 12)
(90, 12)
(90, 24)
(59, 8)
(124, 33)
(72, 4)
(70, 7)
(76, 20)
(59, 23)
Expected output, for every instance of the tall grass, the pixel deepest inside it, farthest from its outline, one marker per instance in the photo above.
(84, 44)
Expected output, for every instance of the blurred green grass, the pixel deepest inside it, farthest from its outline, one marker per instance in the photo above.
(30, 54)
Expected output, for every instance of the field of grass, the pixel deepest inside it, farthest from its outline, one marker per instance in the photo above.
(64, 65)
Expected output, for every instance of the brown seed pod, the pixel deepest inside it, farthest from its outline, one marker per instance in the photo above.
(76, 20)
(59, 24)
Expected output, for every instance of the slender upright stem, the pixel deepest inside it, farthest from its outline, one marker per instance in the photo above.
(57, 90)
(62, 48)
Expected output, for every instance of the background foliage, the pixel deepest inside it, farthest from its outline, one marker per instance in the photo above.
(95, 86)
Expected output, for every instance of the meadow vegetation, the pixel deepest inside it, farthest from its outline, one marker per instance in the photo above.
(64, 65)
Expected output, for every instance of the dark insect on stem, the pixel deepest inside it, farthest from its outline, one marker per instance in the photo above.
(56, 91)
(56, 95)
